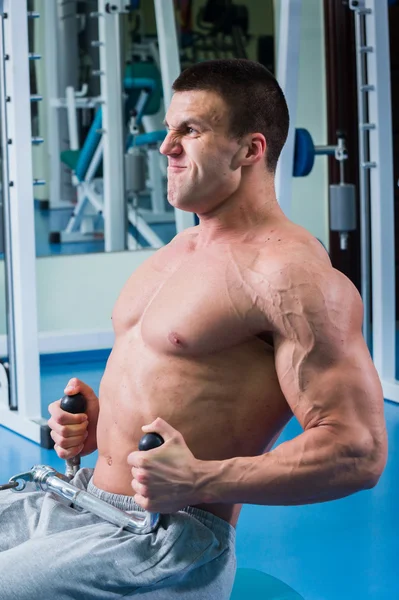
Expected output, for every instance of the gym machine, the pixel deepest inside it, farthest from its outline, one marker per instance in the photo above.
(20, 406)
(47, 479)
(112, 206)
(342, 195)
(376, 187)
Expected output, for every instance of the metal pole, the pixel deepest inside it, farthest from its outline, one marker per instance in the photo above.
(364, 175)
(12, 361)
(52, 92)
(25, 418)
(115, 210)
(170, 70)
(287, 75)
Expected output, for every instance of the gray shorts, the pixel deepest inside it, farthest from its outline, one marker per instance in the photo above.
(49, 550)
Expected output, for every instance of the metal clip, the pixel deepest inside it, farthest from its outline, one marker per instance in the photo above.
(19, 482)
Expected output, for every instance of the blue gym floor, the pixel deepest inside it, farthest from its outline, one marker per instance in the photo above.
(340, 550)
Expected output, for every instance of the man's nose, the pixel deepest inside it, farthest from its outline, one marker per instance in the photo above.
(170, 145)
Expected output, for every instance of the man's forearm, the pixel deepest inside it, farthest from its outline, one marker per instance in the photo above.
(314, 467)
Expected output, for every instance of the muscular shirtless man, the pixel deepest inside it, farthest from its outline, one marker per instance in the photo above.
(220, 337)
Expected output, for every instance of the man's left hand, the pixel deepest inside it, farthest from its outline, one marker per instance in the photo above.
(165, 479)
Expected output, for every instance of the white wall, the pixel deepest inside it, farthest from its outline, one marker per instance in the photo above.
(310, 194)
(78, 292)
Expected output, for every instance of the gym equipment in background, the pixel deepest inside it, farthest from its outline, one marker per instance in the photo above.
(342, 195)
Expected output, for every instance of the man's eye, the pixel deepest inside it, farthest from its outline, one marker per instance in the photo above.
(191, 130)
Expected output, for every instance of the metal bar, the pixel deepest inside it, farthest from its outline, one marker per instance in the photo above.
(153, 218)
(95, 161)
(364, 183)
(115, 222)
(324, 150)
(170, 70)
(72, 118)
(74, 223)
(53, 135)
(95, 199)
(42, 478)
(156, 179)
(12, 401)
(287, 75)
(144, 229)
(40, 162)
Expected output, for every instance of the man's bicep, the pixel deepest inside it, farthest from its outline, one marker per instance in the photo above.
(328, 386)
(323, 364)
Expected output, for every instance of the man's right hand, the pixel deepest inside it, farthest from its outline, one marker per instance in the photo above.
(74, 434)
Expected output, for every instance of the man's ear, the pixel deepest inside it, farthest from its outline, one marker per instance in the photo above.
(252, 150)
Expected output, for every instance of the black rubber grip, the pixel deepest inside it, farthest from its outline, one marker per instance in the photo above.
(150, 441)
(77, 404)
(74, 404)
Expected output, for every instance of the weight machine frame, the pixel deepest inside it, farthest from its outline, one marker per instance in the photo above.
(377, 188)
(20, 407)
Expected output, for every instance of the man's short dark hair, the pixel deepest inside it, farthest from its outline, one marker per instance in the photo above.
(252, 94)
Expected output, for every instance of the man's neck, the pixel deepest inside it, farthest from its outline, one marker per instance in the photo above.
(239, 215)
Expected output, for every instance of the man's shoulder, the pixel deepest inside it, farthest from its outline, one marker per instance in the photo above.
(282, 250)
(293, 268)
(287, 256)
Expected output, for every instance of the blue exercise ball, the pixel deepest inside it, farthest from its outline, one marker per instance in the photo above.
(251, 584)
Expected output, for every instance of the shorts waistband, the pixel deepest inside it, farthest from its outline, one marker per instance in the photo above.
(220, 527)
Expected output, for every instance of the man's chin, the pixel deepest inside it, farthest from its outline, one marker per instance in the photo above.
(181, 204)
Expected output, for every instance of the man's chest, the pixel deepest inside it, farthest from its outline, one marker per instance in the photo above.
(199, 307)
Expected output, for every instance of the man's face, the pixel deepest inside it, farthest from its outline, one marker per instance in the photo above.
(202, 165)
